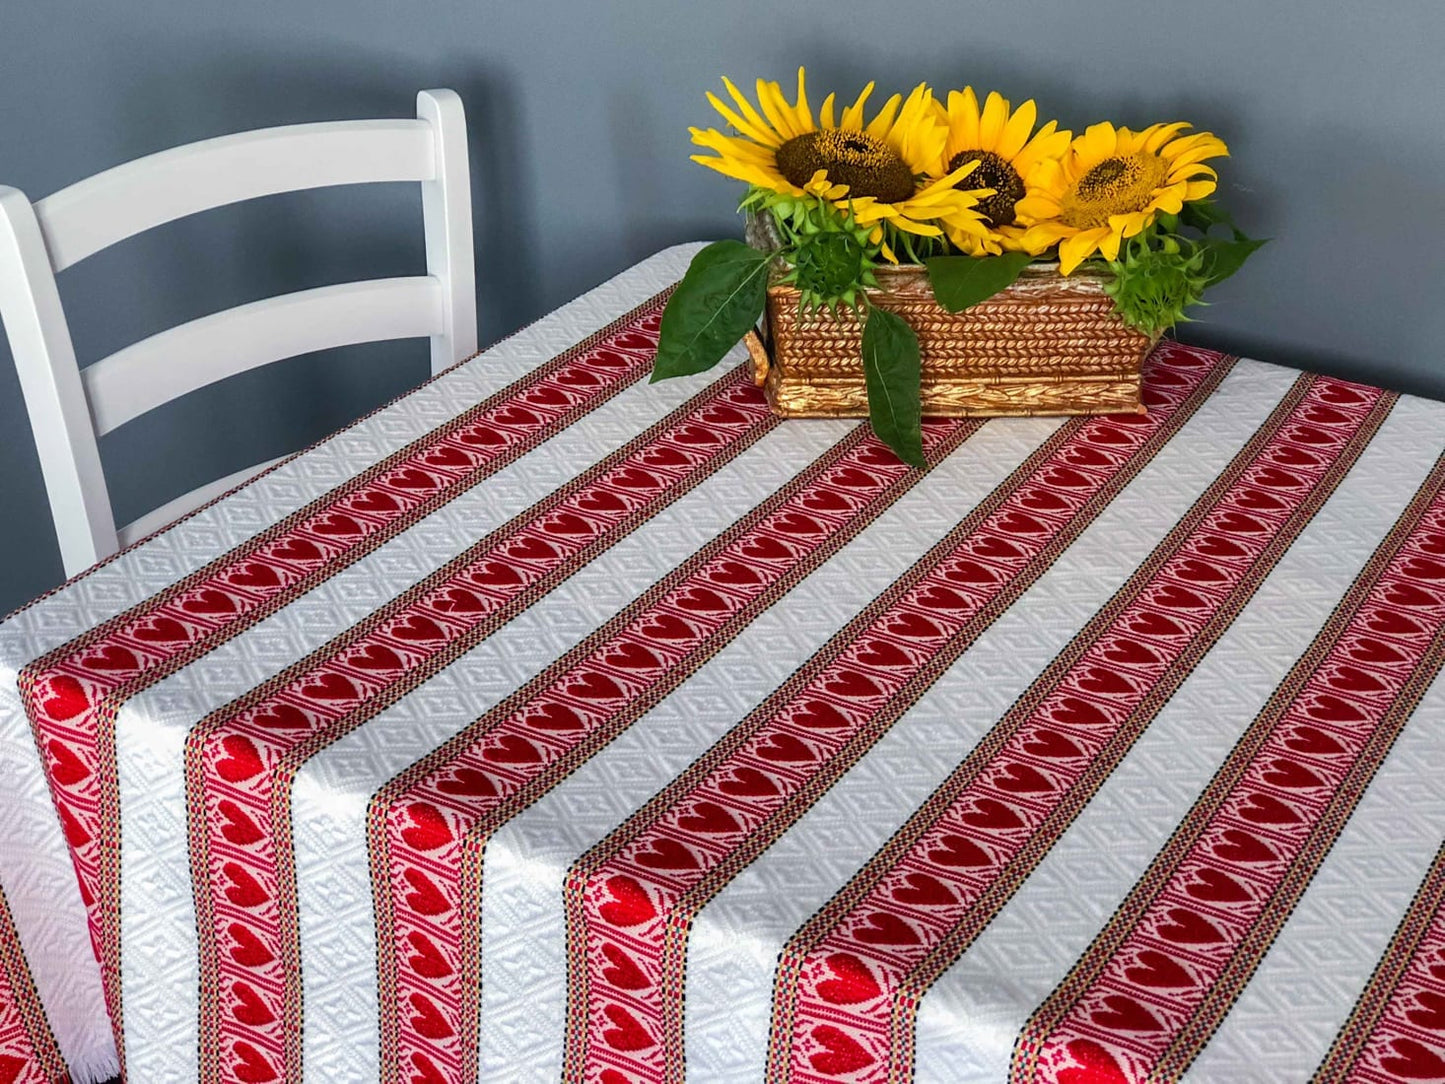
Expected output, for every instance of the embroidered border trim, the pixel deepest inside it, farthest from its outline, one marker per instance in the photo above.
(29, 1053)
(439, 814)
(1004, 807)
(73, 693)
(1386, 1036)
(242, 760)
(787, 752)
(1215, 897)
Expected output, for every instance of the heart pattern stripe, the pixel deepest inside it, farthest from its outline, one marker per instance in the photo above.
(1192, 904)
(1397, 1029)
(561, 727)
(343, 684)
(73, 693)
(29, 1053)
(1081, 717)
(1043, 760)
(866, 677)
(639, 668)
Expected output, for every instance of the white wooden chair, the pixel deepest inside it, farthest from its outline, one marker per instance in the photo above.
(70, 408)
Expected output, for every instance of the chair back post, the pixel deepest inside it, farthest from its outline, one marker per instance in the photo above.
(50, 383)
(446, 203)
(70, 408)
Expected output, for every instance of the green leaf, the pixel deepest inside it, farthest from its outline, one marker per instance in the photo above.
(1224, 258)
(719, 299)
(961, 281)
(892, 369)
(1201, 214)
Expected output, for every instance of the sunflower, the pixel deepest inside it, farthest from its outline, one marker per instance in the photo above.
(872, 169)
(1007, 150)
(1112, 184)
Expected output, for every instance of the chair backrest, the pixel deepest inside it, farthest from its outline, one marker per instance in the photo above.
(69, 408)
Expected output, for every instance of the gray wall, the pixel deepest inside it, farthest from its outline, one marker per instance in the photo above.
(579, 112)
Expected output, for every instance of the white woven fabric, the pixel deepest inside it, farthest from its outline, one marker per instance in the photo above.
(661, 740)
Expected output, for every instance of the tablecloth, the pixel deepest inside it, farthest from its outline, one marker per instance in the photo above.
(549, 723)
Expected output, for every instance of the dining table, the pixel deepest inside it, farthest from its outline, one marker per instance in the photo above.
(549, 723)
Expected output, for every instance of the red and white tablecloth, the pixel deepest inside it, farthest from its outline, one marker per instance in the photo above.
(548, 724)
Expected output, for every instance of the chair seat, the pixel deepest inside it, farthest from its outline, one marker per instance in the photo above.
(172, 510)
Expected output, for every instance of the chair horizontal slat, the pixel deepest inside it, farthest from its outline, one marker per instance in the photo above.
(97, 212)
(182, 359)
(69, 408)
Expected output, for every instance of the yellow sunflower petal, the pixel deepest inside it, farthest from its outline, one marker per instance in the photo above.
(968, 225)
(951, 179)
(802, 110)
(881, 124)
(853, 116)
(1169, 200)
(1098, 142)
(1157, 135)
(741, 171)
(1015, 134)
(1217, 146)
(1195, 141)
(1047, 142)
(916, 134)
(745, 107)
(1194, 190)
(775, 108)
(763, 135)
(825, 112)
(962, 121)
(1130, 224)
(990, 125)
(1020, 240)
(1127, 141)
(1198, 169)
(986, 245)
(1046, 234)
(1108, 245)
(901, 133)
(1037, 206)
(1078, 248)
(1048, 175)
(819, 185)
(732, 145)
(949, 200)
(908, 225)
(905, 216)
(1187, 157)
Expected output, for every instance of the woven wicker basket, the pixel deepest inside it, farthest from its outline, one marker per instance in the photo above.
(1045, 345)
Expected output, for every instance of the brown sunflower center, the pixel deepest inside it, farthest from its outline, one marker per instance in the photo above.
(996, 172)
(1115, 186)
(867, 165)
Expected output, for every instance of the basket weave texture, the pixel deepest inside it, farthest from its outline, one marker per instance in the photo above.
(1045, 345)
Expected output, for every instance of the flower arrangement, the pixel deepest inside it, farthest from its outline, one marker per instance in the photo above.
(972, 193)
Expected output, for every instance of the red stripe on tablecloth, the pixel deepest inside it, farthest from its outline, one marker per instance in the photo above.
(850, 981)
(28, 1051)
(429, 827)
(1397, 1027)
(73, 694)
(633, 897)
(1144, 999)
(242, 759)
